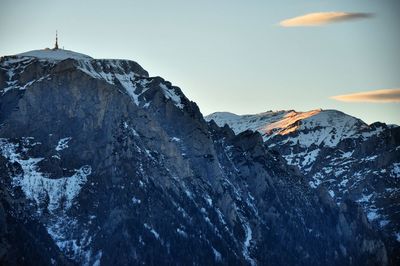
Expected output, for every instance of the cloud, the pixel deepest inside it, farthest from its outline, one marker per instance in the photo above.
(322, 18)
(377, 96)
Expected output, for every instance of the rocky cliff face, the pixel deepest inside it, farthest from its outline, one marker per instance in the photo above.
(351, 159)
(102, 164)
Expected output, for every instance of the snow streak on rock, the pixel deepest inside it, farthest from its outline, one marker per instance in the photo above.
(38, 187)
(63, 144)
(57, 195)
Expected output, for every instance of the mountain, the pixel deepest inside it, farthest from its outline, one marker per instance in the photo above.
(351, 159)
(101, 164)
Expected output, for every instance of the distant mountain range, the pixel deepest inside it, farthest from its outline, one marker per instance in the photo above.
(351, 159)
(101, 164)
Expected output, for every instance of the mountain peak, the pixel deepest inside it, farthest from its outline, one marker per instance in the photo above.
(54, 54)
(271, 124)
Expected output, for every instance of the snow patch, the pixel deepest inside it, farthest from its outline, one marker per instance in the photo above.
(344, 182)
(57, 195)
(116, 75)
(97, 259)
(181, 232)
(208, 200)
(383, 223)
(217, 255)
(370, 158)
(397, 235)
(135, 200)
(365, 198)
(154, 232)
(316, 180)
(170, 93)
(37, 186)
(246, 244)
(14, 84)
(134, 132)
(76, 247)
(396, 170)
(373, 215)
(347, 154)
(63, 144)
(310, 157)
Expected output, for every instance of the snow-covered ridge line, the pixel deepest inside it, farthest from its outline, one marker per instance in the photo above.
(54, 54)
(303, 133)
(240, 123)
(320, 127)
(134, 84)
(119, 72)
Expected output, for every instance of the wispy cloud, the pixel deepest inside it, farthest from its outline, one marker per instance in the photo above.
(377, 96)
(322, 18)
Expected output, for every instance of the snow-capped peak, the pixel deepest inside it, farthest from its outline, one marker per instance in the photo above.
(267, 123)
(318, 126)
(54, 54)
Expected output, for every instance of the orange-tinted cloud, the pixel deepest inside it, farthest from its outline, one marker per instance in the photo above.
(377, 96)
(322, 18)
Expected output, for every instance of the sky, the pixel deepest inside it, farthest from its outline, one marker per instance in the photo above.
(234, 55)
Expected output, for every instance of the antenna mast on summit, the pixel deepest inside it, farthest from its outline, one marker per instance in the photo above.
(56, 45)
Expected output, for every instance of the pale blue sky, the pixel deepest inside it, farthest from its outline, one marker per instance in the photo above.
(229, 55)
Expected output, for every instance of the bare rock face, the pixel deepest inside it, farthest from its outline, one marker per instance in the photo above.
(102, 164)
